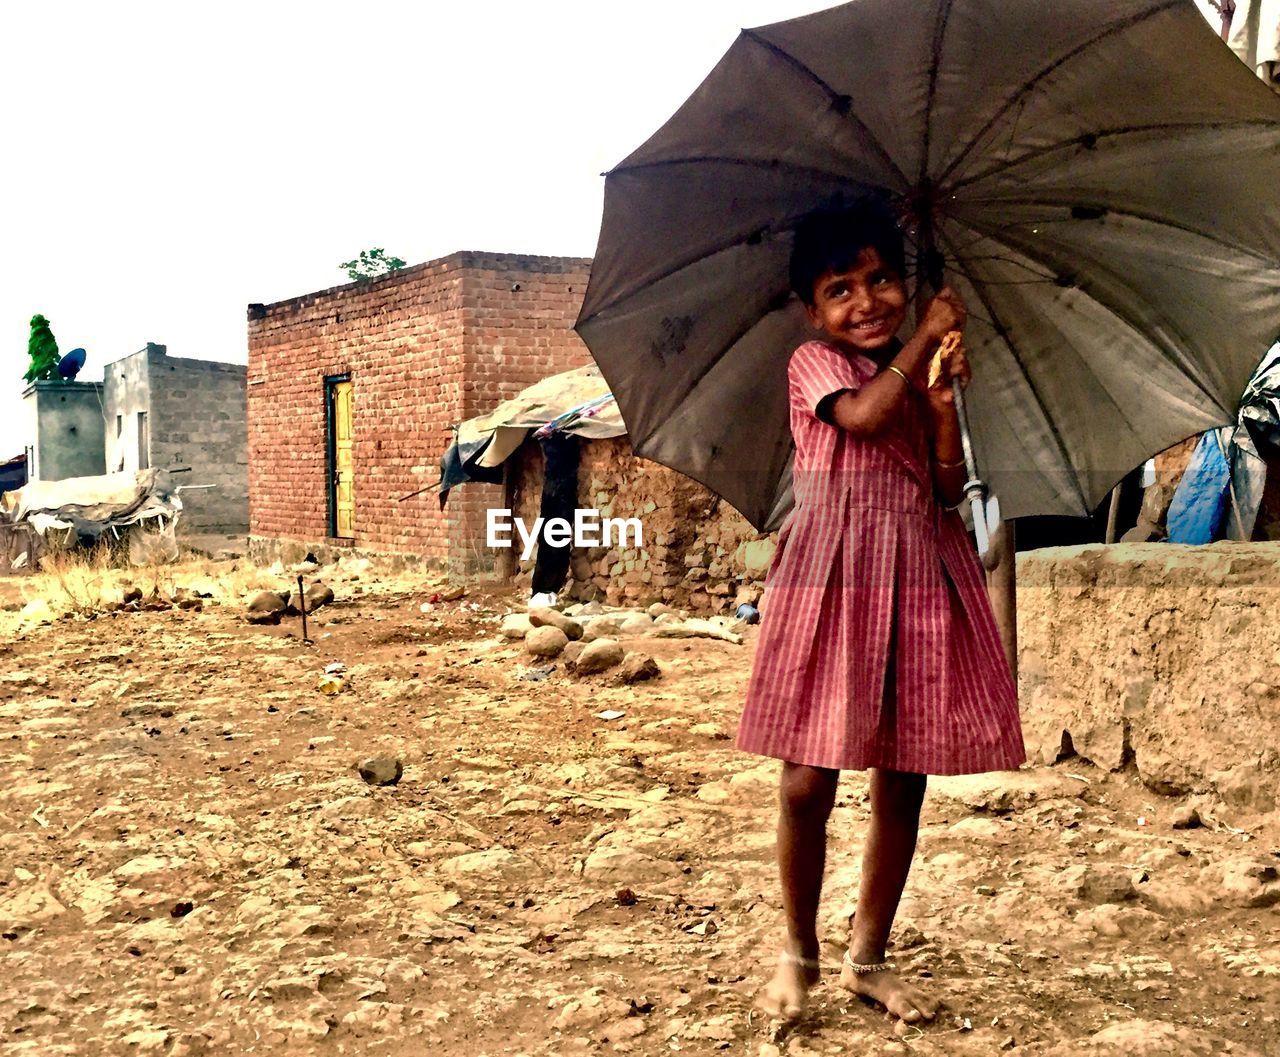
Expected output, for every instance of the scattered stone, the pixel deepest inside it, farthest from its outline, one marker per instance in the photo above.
(1185, 817)
(1250, 785)
(1116, 922)
(600, 627)
(637, 667)
(1150, 1038)
(627, 1028)
(515, 626)
(189, 600)
(452, 594)
(636, 624)
(1246, 881)
(317, 594)
(590, 1010)
(545, 641)
(492, 861)
(381, 770)
(1096, 884)
(756, 557)
(573, 651)
(1001, 791)
(598, 655)
(266, 607)
(544, 617)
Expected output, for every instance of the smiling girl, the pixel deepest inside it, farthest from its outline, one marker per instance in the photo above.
(878, 649)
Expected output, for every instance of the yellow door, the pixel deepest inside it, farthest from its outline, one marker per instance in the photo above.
(343, 464)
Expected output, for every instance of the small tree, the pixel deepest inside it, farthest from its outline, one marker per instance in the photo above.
(371, 264)
(42, 350)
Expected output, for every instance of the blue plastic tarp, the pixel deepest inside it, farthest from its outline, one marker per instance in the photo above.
(1200, 503)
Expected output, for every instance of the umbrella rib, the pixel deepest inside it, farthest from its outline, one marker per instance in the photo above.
(839, 102)
(1003, 333)
(725, 244)
(1126, 130)
(1030, 85)
(1195, 375)
(722, 159)
(939, 31)
(1149, 218)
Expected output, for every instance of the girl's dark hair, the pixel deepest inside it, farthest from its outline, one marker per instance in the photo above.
(833, 238)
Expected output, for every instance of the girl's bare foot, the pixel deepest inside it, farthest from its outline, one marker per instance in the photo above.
(786, 995)
(891, 991)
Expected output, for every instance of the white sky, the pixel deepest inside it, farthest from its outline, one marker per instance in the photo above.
(168, 164)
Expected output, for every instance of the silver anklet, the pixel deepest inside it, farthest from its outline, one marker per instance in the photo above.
(862, 970)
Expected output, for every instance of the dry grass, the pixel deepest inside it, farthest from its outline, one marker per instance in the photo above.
(74, 579)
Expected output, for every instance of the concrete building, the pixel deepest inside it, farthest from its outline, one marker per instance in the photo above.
(65, 427)
(187, 417)
(353, 393)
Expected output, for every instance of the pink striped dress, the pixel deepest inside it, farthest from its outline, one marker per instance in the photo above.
(878, 647)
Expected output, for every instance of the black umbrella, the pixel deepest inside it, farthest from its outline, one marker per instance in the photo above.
(1100, 179)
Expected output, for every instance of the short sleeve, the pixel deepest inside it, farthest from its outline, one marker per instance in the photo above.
(818, 371)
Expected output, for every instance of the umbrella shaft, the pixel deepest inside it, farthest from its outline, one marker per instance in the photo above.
(966, 441)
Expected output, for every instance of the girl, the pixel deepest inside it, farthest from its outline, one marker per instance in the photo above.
(879, 649)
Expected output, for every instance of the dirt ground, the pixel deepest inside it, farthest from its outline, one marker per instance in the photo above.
(190, 863)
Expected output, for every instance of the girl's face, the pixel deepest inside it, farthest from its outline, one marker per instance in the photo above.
(862, 307)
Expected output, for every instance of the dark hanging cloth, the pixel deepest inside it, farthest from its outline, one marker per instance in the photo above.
(458, 465)
(559, 500)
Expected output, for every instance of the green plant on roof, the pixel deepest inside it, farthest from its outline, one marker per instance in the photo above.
(42, 351)
(371, 264)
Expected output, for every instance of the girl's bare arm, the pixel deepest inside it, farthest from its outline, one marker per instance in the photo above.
(867, 412)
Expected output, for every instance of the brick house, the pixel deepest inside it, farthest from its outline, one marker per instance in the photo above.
(353, 392)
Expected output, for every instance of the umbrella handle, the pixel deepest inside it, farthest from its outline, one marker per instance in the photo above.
(975, 488)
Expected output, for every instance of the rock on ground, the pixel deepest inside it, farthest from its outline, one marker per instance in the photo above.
(545, 641)
(637, 667)
(266, 607)
(381, 770)
(544, 617)
(597, 656)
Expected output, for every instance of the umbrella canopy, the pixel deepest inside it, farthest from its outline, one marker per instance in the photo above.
(1100, 177)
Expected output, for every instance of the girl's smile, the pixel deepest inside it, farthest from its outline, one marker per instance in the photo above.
(861, 308)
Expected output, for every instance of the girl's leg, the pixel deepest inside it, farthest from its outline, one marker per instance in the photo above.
(806, 796)
(896, 798)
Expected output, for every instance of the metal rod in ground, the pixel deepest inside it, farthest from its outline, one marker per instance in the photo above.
(302, 607)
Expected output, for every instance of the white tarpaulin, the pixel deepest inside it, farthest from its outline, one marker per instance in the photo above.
(539, 404)
(145, 503)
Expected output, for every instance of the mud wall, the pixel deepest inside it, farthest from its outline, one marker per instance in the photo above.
(1162, 656)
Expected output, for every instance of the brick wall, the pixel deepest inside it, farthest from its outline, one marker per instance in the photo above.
(425, 348)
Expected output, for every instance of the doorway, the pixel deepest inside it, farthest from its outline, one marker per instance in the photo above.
(339, 416)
